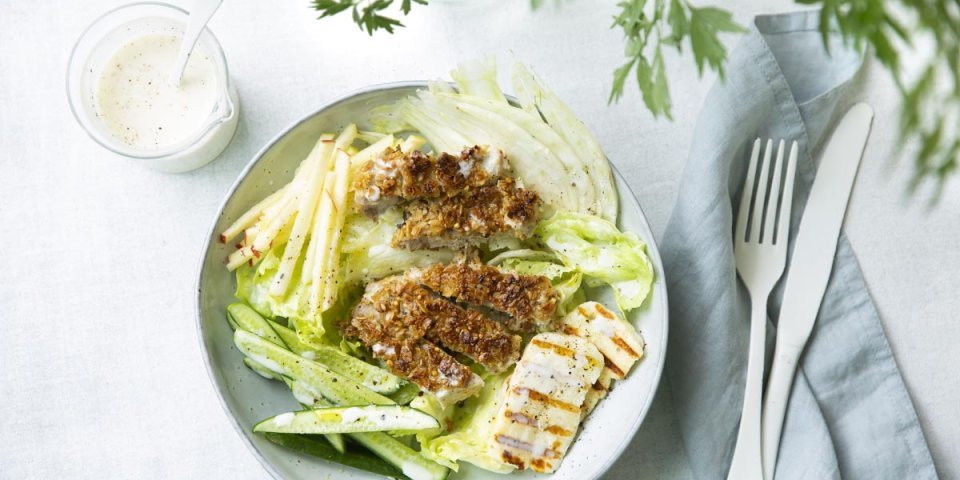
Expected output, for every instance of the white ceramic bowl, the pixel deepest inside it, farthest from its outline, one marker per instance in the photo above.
(249, 398)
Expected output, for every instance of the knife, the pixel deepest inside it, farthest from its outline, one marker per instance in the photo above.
(810, 267)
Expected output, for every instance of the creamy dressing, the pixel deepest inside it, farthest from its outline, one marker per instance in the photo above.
(351, 415)
(267, 363)
(494, 162)
(465, 168)
(372, 194)
(415, 471)
(140, 105)
(380, 348)
(302, 395)
(284, 419)
(308, 354)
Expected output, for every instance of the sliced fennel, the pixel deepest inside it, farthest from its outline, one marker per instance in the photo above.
(529, 130)
(535, 97)
(550, 150)
(448, 127)
(479, 78)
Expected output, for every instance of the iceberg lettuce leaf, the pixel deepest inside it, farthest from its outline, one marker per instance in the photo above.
(603, 253)
(253, 287)
(467, 437)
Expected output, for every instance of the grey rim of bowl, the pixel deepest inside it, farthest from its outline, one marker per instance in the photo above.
(661, 292)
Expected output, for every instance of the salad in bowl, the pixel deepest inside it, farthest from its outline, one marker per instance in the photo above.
(446, 287)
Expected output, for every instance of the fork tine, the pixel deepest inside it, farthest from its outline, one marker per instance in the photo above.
(756, 222)
(783, 227)
(743, 214)
(774, 205)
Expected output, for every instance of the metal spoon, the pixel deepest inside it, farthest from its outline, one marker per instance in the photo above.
(200, 14)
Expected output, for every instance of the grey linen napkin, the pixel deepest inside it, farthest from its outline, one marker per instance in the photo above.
(849, 414)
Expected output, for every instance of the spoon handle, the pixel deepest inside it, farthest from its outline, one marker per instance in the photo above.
(200, 14)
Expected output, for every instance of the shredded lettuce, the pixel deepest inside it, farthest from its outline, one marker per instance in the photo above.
(602, 252)
(367, 254)
(253, 287)
(468, 428)
(550, 270)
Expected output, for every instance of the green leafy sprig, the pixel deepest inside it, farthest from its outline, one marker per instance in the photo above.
(367, 14)
(930, 103)
(930, 108)
(648, 28)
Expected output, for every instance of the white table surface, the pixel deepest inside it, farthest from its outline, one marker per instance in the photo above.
(100, 368)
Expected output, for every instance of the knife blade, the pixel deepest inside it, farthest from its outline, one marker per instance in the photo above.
(810, 266)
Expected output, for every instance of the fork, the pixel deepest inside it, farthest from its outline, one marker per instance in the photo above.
(760, 247)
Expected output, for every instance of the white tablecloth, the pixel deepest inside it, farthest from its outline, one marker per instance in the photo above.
(100, 369)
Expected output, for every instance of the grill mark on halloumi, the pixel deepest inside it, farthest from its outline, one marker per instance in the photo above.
(563, 351)
(546, 399)
(526, 446)
(626, 348)
(558, 431)
(521, 418)
(613, 367)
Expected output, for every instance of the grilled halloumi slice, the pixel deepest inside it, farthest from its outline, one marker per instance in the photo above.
(597, 392)
(541, 412)
(616, 339)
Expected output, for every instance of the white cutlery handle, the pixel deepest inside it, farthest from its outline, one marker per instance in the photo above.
(747, 463)
(779, 384)
(200, 14)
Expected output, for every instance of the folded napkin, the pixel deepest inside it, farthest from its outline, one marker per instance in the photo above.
(849, 414)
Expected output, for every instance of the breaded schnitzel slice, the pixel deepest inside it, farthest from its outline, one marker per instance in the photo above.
(529, 300)
(394, 176)
(402, 323)
(470, 218)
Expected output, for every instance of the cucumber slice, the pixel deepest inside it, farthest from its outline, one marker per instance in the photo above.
(370, 376)
(360, 460)
(348, 420)
(309, 400)
(246, 318)
(261, 370)
(319, 379)
(408, 460)
(406, 394)
(289, 337)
